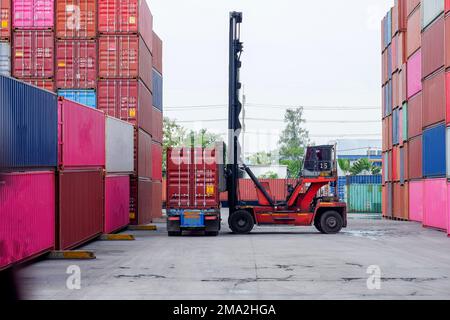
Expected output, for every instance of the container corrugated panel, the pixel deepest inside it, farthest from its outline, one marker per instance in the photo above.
(434, 103)
(117, 203)
(447, 5)
(405, 121)
(156, 200)
(124, 56)
(389, 135)
(395, 164)
(27, 219)
(157, 159)
(395, 127)
(448, 152)
(447, 43)
(46, 84)
(389, 61)
(414, 77)
(389, 206)
(448, 201)
(405, 202)
(157, 125)
(140, 201)
(384, 200)
(386, 166)
(394, 20)
(126, 16)
(411, 5)
(400, 127)
(76, 64)
(433, 47)
(396, 199)
(447, 96)
(33, 14)
(80, 216)
(5, 19)
(157, 53)
(435, 203)
(415, 116)
(84, 97)
(402, 165)
(76, 19)
(364, 198)
(413, 36)
(395, 91)
(28, 126)
(406, 161)
(404, 83)
(394, 52)
(5, 59)
(415, 157)
(431, 9)
(119, 146)
(33, 54)
(143, 159)
(157, 90)
(128, 100)
(373, 179)
(383, 23)
(434, 157)
(81, 135)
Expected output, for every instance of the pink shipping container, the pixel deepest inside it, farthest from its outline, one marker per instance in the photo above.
(27, 219)
(76, 19)
(81, 135)
(416, 200)
(33, 54)
(448, 209)
(414, 74)
(125, 56)
(126, 16)
(157, 159)
(33, 14)
(435, 203)
(76, 64)
(117, 203)
(5, 19)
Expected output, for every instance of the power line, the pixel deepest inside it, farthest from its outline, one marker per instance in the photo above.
(280, 120)
(272, 106)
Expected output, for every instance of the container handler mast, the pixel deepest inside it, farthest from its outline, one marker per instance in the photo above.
(303, 205)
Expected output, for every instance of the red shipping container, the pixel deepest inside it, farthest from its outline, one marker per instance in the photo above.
(193, 176)
(124, 57)
(157, 53)
(394, 53)
(433, 47)
(413, 36)
(46, 84)
(117, 203)
(394, 19)
(402, 14)
(128, 100)
(415, 158)
(140, 201)
(143, 149)
(447, 41)
(156, 200)
(390, 133)
(385, 133)
(390, 166)
(447, 5)
(384, 58)
(80, 217)
(5, 19)
(404, 84)
(384, 200)
(411, 5)
(433, 105)
(405, 166)
(447, 96)
(27, 219)
(33, 54)
(76, 19)
(76, 64)
(157, 125)
(81, 135)
(397, 200)
(126, 16)
(404, 205)
(395, 90)
(395, 164)
(33, 14)
(415, 116)
(157, 161)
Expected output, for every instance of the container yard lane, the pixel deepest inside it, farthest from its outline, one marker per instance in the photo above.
(372, 259)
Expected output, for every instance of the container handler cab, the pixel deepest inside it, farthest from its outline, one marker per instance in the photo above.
(303, 206)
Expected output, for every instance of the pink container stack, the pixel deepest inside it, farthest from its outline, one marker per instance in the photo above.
(117, 202)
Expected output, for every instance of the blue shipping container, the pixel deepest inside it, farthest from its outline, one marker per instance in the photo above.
(433, 153)
(157, 90)
(389, 62)
(395, 127)
(86, 97)
(28, 126)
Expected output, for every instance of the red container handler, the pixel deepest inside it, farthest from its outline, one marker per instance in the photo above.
(157, 158)
(76, 19)
(140, 201)
(46, 84)
(193, 178)
(5, 19)
(143, 154)
(81, 135)
(128, 100)
(33, 54)
(126, 17)
(156, 200)
(124, 56)
(80, 204)
(76, 64)
(27, 216)
(157, 53)
(117, 202)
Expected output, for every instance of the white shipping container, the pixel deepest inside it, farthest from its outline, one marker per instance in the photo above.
(119, 146)
(5, 59)
(430, 10)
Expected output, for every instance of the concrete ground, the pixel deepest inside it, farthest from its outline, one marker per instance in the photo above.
(271, 263)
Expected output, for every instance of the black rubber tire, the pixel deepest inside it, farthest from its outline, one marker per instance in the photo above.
(211, 233)
(331, 222)
(317, 225)
(174, 233)
(241, 222)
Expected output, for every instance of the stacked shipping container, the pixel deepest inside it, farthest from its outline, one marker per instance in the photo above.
(414, 137)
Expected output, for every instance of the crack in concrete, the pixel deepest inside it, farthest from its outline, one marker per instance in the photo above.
(249, 280)
(405, 279)
(139, 276)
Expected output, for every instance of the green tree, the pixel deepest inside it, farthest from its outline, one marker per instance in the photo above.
(173, 136)
(202, 138)
(376, 170)
(261, 158)
(345, 166)
(360, 166)
(269, 175)
(293, 141)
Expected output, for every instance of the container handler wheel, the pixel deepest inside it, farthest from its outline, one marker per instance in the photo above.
(317, 225)
(241, 222)
(174, 233)
(331, 222)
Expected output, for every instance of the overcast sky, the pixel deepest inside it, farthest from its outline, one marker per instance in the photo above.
(297, 53)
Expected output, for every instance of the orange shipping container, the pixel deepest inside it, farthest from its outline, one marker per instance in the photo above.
(76, 19)
(5, 19)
